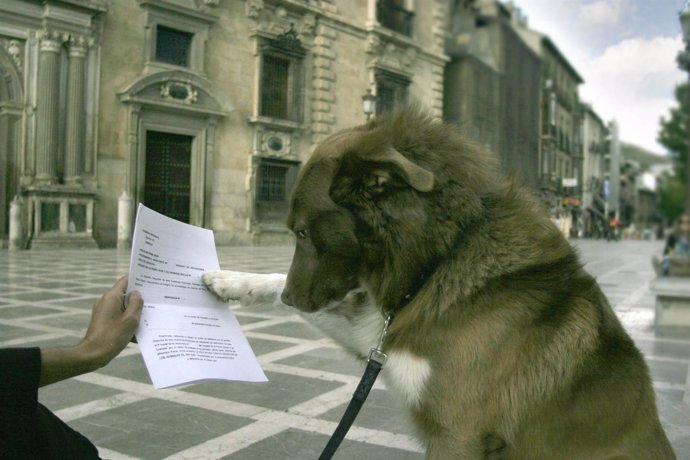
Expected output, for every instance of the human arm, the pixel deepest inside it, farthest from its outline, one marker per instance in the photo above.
(110, 330)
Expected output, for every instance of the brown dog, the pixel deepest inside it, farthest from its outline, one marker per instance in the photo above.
(501, 345)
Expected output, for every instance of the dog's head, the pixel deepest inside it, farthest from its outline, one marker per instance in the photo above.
(376, 206)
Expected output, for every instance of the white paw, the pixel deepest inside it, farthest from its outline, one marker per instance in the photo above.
(249, 289)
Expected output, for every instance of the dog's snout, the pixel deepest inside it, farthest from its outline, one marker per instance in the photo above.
(286, 298)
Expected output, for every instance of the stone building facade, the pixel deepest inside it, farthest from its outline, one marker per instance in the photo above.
(595, 147)
(201, 109)
(493, 86)
(561, 121)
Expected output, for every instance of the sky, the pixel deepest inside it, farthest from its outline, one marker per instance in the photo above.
(625, 50)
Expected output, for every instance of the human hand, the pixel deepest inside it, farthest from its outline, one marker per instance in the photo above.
(112, 325)
(110, 329)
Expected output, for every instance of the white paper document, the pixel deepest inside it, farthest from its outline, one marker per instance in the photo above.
(186, 334)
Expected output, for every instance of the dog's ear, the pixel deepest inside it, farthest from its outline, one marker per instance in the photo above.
(389, 162)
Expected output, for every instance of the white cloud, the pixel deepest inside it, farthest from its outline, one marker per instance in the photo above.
(601, 12)
(633, 81)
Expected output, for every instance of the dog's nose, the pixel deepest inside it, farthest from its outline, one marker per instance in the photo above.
(286, 298)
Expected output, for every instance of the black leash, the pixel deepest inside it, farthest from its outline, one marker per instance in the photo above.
(376, 360)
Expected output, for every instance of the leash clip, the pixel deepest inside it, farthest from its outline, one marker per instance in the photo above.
(376, 354)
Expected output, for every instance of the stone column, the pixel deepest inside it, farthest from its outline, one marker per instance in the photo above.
(47, 110)
(74, 128)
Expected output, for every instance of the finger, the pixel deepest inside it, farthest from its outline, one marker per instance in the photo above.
(121, 284)
(134, 303)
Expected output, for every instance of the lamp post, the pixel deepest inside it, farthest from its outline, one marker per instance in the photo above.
(368, 104)
(684, 63)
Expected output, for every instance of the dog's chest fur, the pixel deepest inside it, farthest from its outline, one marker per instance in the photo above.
(403, 372)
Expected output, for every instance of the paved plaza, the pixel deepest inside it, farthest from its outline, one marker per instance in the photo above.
(45, 300)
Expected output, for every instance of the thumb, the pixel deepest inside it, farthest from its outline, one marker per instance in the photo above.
(134, 303)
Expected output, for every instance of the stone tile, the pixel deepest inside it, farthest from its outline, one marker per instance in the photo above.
(35, 296)
(295, 444)
(263, 346)
(155, 429)
(292, 329)
(327, 359)
(664, 371)
(13, 332)
(77, 321)
(381, 411)
(24, 311)
(72, 393)
(128, 367)
(281, 392)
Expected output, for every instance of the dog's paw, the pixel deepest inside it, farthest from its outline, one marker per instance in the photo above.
(224, 284)
(249, 289)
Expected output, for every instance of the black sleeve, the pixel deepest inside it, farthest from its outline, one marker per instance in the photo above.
(27, 428)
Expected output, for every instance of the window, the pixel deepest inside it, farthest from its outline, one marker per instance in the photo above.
(173, 46)
(175, 35)
(391, 90)
(275, 87)
(282, 80)
(274, 181)
(393, 15)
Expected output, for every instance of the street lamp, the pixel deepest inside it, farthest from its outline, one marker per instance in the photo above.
(684, 63)
(368, 104)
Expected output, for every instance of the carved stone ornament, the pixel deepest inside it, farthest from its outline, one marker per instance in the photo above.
(51, 40)
(388, 54)
(276, 144)
(308, 25)
(288, 41)
(253, 8)
(373, 43)
(179, 91)
(15, 49)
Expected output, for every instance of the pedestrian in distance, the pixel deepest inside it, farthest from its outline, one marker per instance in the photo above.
(676, 249)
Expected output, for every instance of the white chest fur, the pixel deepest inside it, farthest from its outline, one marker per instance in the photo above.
(404, 373)
(355, 328)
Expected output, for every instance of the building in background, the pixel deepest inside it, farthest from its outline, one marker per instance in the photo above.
(595, 147)
(201, 109)
(492, 85)
(561, 120)
(205, 110)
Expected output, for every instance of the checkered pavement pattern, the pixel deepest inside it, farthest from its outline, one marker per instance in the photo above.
(46, 297)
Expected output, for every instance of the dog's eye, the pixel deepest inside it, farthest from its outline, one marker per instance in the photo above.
(302, 234)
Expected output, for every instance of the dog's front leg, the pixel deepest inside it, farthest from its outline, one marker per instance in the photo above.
(249, 289)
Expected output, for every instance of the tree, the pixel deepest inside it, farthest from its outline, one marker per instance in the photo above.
(671, 197)
(674, 136)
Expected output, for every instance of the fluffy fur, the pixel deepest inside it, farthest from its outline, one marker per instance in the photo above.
(501, 346)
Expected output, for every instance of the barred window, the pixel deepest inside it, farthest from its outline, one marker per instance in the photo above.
(391, 90)
(275, 87)
(272, 182)
(282, 77)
